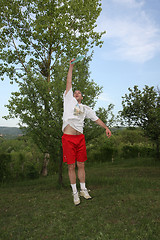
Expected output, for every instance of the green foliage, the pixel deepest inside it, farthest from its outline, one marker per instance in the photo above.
(32, 172)
(126, 143)
(130, 137)
(19, 158)
(104, 153)
(142, 108)
(5, 160)
(101, 149)
(135, 151)
(40, 33)
(92, 130)
(19, 166)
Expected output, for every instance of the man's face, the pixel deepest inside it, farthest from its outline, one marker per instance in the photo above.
(78, 96)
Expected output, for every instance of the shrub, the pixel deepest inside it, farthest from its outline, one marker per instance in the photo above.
(5, 172)
(102, 154)
(31, 172)
(17, 166)
(133, 151)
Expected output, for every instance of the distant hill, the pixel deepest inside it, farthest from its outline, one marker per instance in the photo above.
(14, 132)
(10, 132)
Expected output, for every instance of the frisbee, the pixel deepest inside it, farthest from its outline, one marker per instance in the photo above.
(78, 59)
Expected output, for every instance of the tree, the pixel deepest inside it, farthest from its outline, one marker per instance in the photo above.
(142, 108)
(37, 39)
(39, 33)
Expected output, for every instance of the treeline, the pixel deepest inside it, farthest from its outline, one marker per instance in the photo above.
(19, 158)
(124, 144)
(22, 159)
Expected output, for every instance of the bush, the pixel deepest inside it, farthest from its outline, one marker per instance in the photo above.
(5, 172)
(129, 151)
(18, 165)
(31, 172)
(102, 154)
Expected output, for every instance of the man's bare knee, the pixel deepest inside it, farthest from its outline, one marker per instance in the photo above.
(80, 164)
(71, 167)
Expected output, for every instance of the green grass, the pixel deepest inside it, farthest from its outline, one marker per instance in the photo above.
(125, 206)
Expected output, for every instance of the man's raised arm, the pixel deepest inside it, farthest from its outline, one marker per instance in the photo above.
(69, 76)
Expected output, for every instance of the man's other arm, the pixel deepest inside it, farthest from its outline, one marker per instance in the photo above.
(100, 123)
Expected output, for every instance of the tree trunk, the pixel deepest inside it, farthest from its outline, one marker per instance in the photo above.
(44, 170)
(60, 178)
(157, 150)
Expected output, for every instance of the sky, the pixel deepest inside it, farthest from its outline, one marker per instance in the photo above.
(130, 54)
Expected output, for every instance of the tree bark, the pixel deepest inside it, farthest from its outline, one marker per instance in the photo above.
(44, 170)
(157, 150)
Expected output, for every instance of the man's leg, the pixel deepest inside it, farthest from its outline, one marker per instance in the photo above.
(81, 171)
(81, 176)
(72, 173)
(72, 178)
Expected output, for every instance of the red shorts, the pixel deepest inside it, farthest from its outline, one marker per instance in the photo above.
(74, 148)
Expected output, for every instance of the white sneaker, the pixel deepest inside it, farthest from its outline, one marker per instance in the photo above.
(84, 193)
(76, 198)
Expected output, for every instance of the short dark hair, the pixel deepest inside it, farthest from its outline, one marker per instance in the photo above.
(79, 91)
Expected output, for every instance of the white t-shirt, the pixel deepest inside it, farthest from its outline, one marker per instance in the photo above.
(75, 113)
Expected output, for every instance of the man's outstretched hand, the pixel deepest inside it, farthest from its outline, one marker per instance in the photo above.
(72, 64)
(108, 133)
(100, 123)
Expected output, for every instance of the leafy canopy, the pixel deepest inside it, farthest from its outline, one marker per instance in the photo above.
(142, 108)
(39, 33)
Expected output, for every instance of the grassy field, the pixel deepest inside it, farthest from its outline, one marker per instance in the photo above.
(125, 205)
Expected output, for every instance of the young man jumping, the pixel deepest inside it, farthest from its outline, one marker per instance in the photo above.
(73, 140)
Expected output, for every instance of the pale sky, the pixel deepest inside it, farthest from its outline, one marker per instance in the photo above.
(130, 54)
